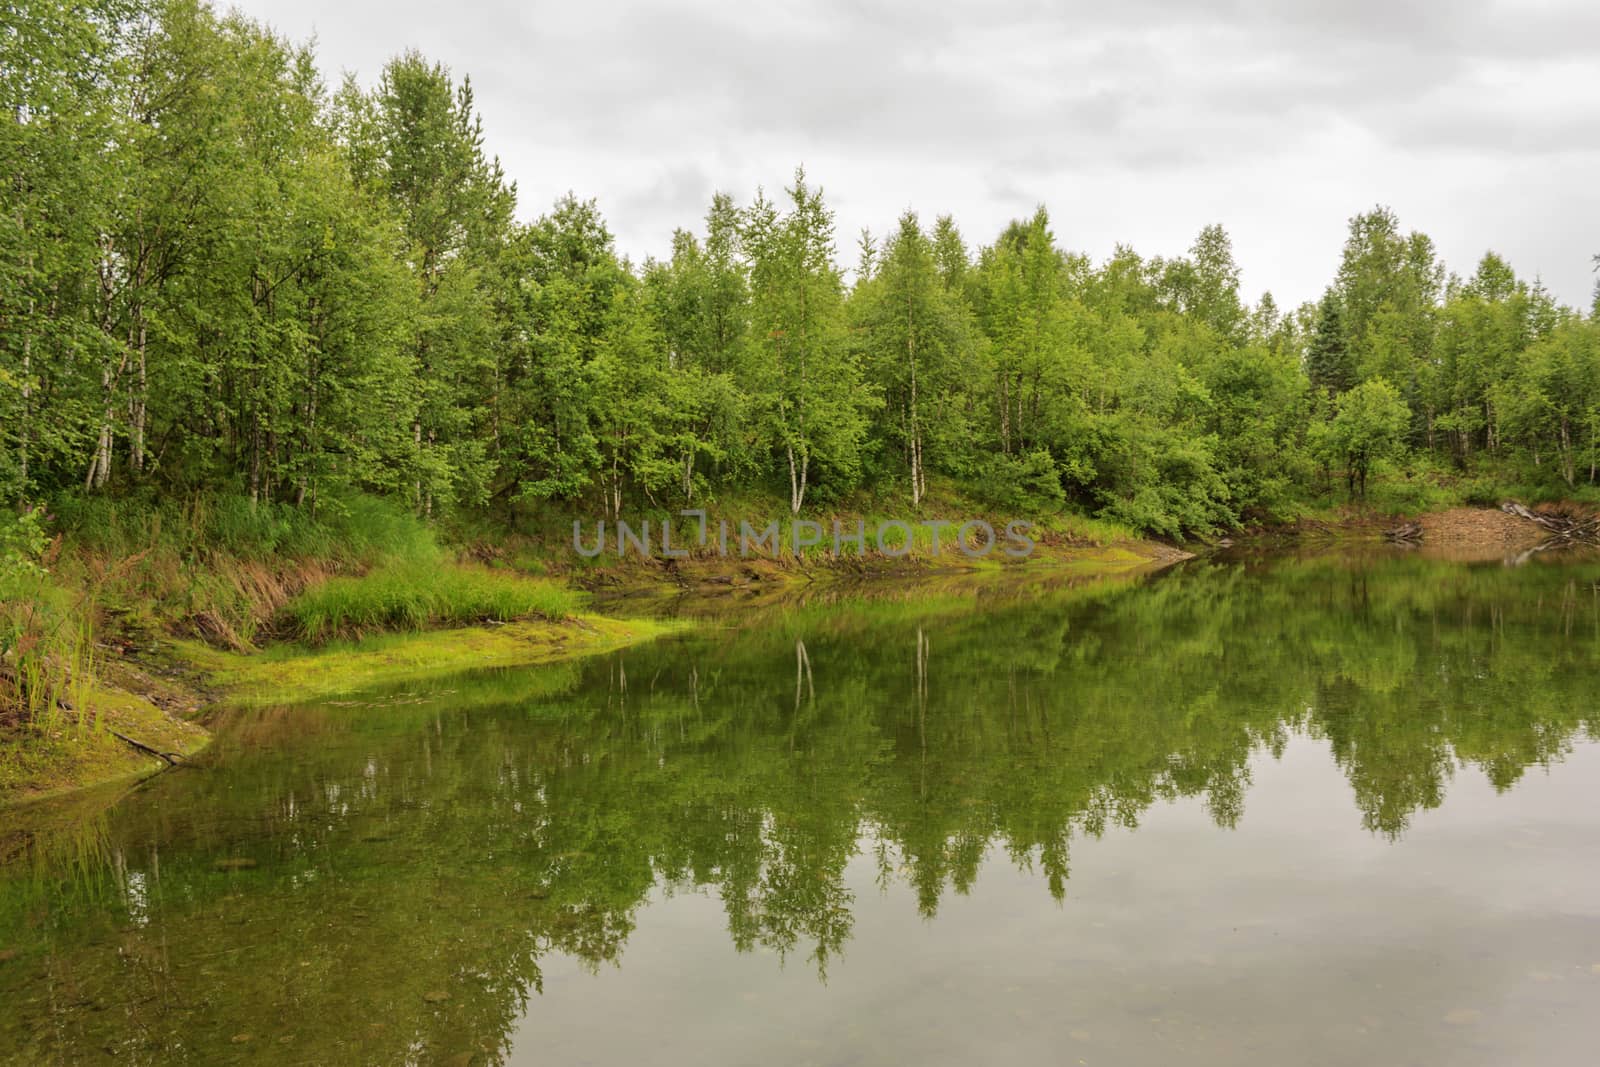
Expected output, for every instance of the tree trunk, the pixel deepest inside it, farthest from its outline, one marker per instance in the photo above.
(915, 426)
(1567, 470)
(427, 496)
(309, 445)
(616, 485)
(416, 443)
(1005, 417)
(255, 460)
(797, 478)
(139, 403)
(24, 438)
(137, 407)
(100, 464)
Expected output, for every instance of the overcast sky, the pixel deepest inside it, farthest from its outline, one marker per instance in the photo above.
(1134, 121)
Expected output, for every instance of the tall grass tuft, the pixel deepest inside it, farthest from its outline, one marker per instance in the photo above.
(46, 633)
(411, 596)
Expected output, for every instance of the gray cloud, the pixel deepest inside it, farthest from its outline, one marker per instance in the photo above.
(1139, 121)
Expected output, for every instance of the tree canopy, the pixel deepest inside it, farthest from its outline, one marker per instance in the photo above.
(219, 273)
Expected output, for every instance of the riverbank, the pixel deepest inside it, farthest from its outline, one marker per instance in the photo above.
(145, 711)
(768, 577)
(321, 631)
(131, 723)
(161, 654)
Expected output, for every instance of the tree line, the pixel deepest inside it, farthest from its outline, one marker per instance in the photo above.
(218, 272)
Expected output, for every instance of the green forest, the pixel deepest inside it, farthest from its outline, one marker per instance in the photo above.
(221, 273)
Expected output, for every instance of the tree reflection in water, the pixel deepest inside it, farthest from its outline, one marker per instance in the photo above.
(379, 882)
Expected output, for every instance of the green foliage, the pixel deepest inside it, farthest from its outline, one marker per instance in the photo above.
(1027, 485)
(1366, 428)
(220, 279)
(22, 544)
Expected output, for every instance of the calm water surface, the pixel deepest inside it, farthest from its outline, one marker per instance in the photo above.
(1340, 810)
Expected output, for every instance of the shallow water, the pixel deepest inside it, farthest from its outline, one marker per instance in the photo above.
(1332, 810)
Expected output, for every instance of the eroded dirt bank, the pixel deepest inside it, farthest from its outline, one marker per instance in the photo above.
(1510, 533)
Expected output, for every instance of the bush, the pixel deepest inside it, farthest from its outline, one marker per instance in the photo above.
(1422, 488)
(1027, 485)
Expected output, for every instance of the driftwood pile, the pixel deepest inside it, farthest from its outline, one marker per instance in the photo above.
(1563, 525)
(1407, 534)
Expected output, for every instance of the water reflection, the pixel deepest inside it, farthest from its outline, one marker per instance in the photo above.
(386, 879)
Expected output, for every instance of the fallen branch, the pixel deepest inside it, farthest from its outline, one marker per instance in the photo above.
(172, 759)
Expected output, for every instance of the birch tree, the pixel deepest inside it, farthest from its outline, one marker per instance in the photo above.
(917, 337)
(809, 389)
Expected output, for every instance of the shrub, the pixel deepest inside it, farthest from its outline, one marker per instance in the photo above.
(1028, 484)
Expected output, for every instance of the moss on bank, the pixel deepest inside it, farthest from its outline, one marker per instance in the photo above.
(39, 760)
(289, 674)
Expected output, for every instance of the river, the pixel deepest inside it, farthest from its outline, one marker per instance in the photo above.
(1331, 809)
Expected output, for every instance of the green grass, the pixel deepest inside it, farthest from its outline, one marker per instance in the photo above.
(1098, 531)
(412, 596)
(353, 529)
(46, 629)
(218, 566)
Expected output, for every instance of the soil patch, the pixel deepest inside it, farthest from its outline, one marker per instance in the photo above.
(1469, 535)
(1485, 527)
